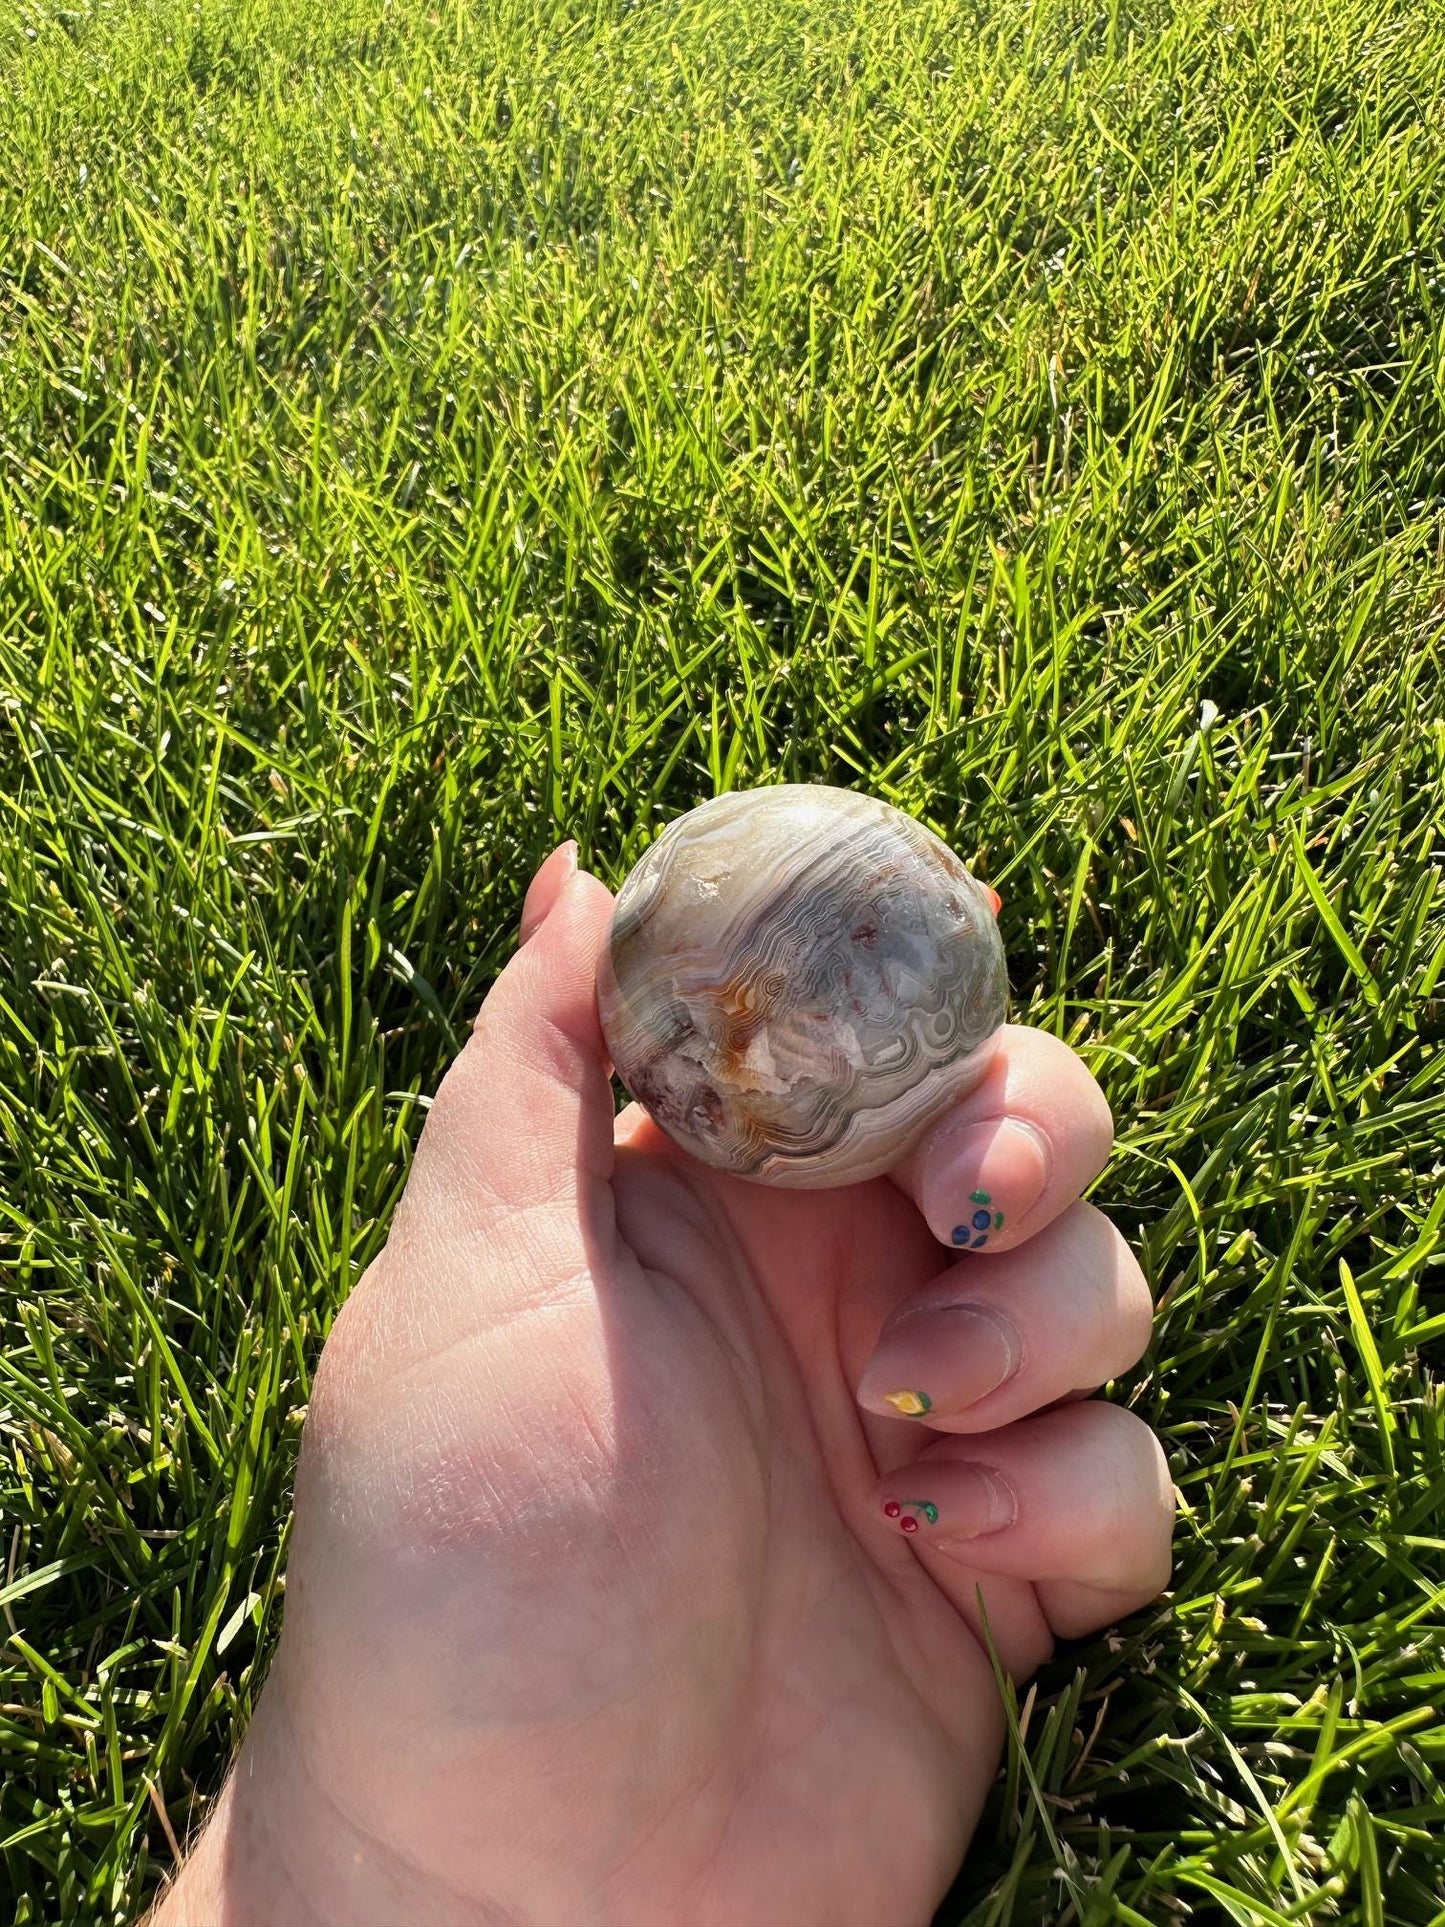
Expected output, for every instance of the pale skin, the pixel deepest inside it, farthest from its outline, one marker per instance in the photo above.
(602, 1604)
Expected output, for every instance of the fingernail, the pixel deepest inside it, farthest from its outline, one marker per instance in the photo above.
(941, 1360)
(985, 1181)
(553, 876)
(995, 900)
(910, 1404)
(961, 1502)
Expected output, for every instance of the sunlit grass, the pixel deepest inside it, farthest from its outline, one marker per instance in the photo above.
(426, 431)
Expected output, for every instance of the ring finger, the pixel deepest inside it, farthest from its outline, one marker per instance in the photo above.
(1078, 1502)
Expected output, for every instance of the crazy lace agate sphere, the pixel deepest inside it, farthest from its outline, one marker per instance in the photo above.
(798, 982)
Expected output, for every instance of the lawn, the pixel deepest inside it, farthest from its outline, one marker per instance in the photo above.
(430, 430)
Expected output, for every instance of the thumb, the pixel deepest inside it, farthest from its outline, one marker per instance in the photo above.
(523, 1119)
(545, 888)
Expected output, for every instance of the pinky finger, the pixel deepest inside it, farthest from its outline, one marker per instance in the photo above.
(1077, 1500)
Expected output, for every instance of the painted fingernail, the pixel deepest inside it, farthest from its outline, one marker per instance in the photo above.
(969, 1501)
(961, 1352)
(910, 1404)
(908, 1512)
(985, 1180)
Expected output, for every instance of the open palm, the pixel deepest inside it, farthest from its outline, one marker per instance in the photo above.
(620, 1590)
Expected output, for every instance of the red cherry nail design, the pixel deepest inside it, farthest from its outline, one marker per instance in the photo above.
(912, 1510)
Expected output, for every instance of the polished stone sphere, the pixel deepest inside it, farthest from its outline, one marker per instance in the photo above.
(798, 981)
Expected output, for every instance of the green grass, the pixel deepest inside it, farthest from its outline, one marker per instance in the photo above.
(429, 430)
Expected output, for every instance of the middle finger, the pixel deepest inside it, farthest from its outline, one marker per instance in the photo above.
(984, 1344)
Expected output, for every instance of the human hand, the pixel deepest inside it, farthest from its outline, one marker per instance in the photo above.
(620, 1590)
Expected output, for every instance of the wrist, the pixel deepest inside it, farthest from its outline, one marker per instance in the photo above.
(278, 1851)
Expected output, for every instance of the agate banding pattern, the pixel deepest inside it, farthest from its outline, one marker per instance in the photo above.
(798, 982)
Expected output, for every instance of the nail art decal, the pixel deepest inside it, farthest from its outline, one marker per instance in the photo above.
(910, 1404)
(975, 1232)
(908, 1511)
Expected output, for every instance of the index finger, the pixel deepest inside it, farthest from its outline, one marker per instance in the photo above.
(1014, 1153)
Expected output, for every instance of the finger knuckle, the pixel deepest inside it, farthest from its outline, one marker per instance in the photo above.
(1160, 1571)
(1133, 1303)
(1108, 1284)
